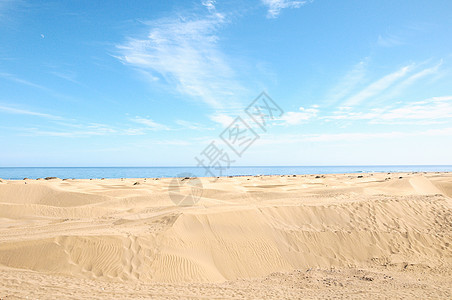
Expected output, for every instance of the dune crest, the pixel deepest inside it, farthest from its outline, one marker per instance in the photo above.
(242, 228)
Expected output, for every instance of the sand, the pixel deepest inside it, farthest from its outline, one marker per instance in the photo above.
(281, 237)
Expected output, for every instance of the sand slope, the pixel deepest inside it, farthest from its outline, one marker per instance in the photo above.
(242, 230)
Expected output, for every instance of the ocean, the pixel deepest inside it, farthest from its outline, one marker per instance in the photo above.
(19, 173)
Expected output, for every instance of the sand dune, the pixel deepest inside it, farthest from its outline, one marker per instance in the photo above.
(243, 231)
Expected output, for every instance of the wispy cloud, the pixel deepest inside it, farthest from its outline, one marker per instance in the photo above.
(432, 110)
(298, 117)
(184, 53)
(16, 79)
(378, 86)
(172, 142)
(369, 135)
(349, 136)
(348, 83)
(93, 129)
(18, 111)
(150, 124)
(223, 119)
(275, 6)
(389, 40)
(82, 130)
(210, 4)
(69, 76)
(64, 127)
(351, 91)
(435, 110)
(192, 125)
(412, 79)
(53, 93)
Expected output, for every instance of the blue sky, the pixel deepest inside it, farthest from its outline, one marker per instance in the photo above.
(107, 83)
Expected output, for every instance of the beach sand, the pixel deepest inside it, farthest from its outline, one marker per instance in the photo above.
(276, 237)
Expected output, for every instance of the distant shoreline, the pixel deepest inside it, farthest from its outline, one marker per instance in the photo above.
(319, 175)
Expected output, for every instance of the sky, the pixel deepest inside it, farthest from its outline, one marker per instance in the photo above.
(157, 83)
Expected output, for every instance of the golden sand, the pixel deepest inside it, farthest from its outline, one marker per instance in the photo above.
(254, 237)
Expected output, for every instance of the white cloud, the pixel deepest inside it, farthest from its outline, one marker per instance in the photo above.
(185, 54)
(81, 130)
(150, 124)
(378, 86)
(69, 76)
(389, 40)
(13, 78)
(348, 83)
(192, 125)
(210, 4)
(297, 117)
(350, 90)
(428, 111)
(91, 129)
(349, 136)
(382, 135)
(223, 119)
(403, 85)
(440, 99)
(17, 111)
(16, 79)
(275, 6)
(172, 142)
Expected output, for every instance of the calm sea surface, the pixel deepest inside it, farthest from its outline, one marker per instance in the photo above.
(153, 172)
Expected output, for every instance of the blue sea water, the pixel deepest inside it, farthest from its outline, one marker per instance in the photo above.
(16, 173)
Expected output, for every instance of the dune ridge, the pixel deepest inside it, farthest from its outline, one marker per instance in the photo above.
(242, 228)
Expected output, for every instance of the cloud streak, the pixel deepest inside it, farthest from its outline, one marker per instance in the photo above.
(350, 136)
(210, 4)
(432, 110)
(351, 92)
(348, 83)
(298, 117)
(378, 86)
(275, 6)
(184, 53)
(80, 130)
(17, 111)
(192, 125)
(150, 124)
(13, 78)
(389, 40)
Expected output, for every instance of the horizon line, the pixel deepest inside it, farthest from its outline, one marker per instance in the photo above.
(245, 166)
